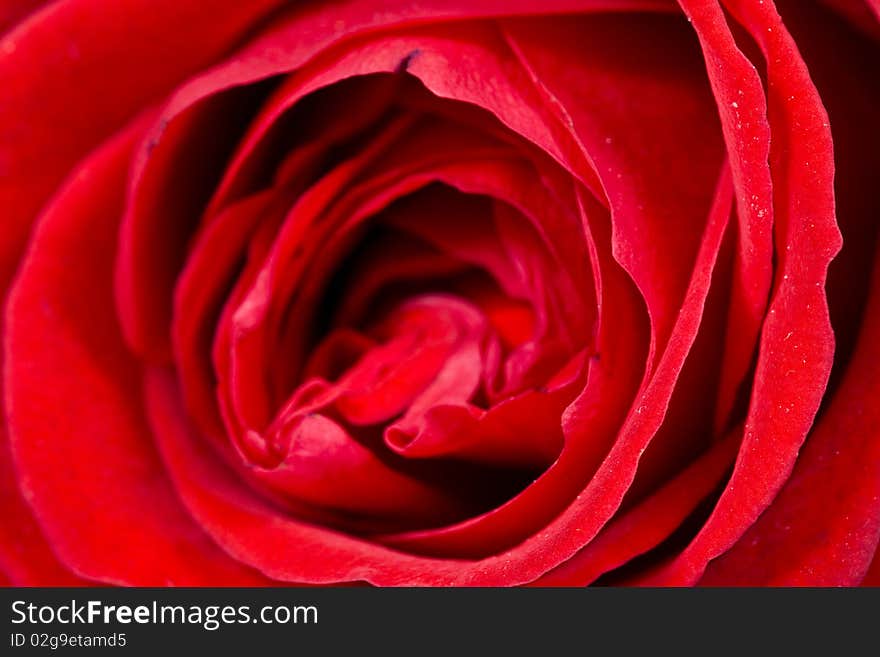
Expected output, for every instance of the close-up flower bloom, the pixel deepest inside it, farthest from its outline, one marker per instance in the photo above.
(440, 293)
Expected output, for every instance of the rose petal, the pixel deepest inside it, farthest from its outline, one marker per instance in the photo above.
(283, 49)
(200, 145)
(241, 523)
(533, 502)
(823, 528)
(644, 526)
(26, 557)
(67, 56)
(796, 341)
(742, 108)
(199, 298)
(326, 467)
(829, 46)
(659, 196)
(255, 317)
(289, 548)
(819, 487)
(77, 430)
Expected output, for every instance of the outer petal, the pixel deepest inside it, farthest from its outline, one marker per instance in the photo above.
(54, 61)
(830, 46)
(84, 453)
(819, 530)
(824, 527)
(796, 341)
(742, 108)
(57, 67)
(25, 556)
(644, 526)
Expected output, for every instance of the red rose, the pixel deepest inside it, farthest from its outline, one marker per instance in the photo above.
(474, 293)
